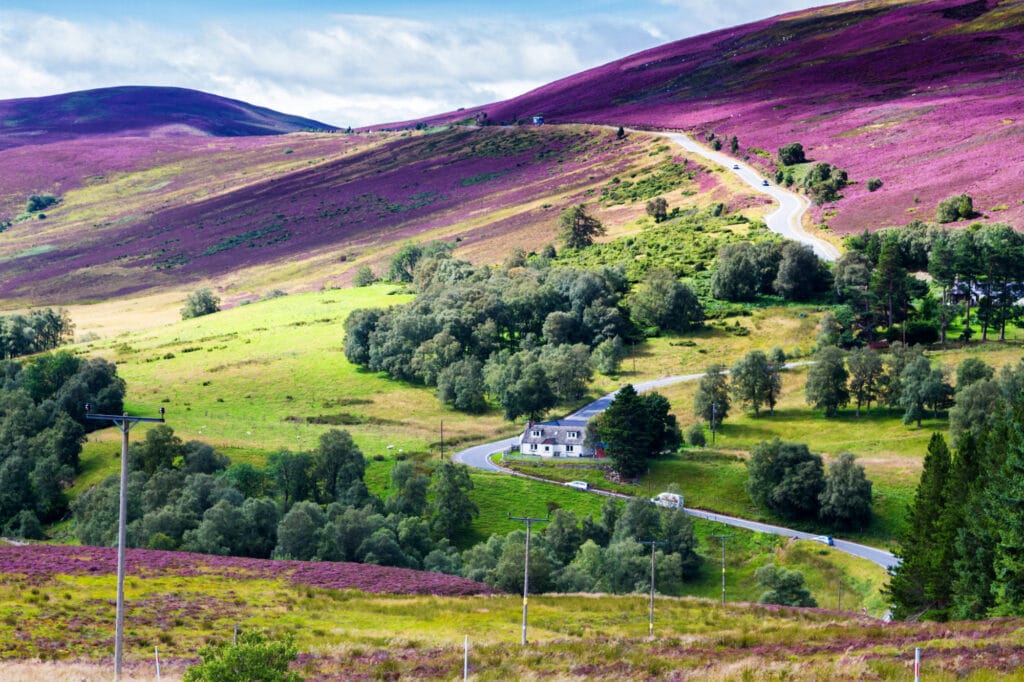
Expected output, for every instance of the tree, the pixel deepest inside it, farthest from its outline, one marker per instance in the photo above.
(846, 499)
(783, 586)
(971, 370)
(410, 491)
(364, 276)
(461, 385)
(608, 355)
(756, 381)
(159, 450)
(736, 278)
(404, 262)
(337, 464)
(451, 510)
(800, 274)
(921, 580)
(786, 478)
(666, 303)
(635, 428)
(792, 154)
(298, 534)
(826, 381)
(711, 401)
(577, 228)
(200, 302)
(255, 657)
(568, 370)
(657, 208)
(974, 407)
(922, 386)
(619, 428)
(865, 368)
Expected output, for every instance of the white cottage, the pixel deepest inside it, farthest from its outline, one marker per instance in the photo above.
(558, 438)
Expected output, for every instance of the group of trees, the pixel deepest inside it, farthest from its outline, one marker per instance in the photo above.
(34, 332)
(302, 505)
(42, 428)
(823, 182)
(756, 382)
(315, 506)
(961, 550)
(979, 269)
(634, 429)
(525, 335)
(744, 270)
(790, 481)
(573, 555)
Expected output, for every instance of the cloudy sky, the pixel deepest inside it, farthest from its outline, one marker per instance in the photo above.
(341, 62)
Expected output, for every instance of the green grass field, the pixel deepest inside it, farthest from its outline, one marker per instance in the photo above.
(257, 378)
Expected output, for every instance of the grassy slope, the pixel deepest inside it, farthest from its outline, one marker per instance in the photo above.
(300, 211)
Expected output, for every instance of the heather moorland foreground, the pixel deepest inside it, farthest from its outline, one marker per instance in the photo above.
(365, 622)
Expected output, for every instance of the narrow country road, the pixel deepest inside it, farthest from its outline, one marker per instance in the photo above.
(787, 218)
(479, 457)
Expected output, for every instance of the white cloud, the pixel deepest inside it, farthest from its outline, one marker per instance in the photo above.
(344, 69)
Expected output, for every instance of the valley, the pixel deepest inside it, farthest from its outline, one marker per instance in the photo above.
(775, 270)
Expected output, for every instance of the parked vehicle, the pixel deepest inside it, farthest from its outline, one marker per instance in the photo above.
(670, 500)
(764, 183)
(579, 485)
(824, 539)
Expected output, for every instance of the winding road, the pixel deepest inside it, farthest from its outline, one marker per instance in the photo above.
(787, 221)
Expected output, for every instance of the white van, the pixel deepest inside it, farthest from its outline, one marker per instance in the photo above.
(670, 500)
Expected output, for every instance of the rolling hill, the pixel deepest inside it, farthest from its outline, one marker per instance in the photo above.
(922, 95)
(162, 189)
(136, 111)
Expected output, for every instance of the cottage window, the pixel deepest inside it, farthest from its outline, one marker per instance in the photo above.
(573, 434)
(536, 433)
(569, 448)
(533, 446)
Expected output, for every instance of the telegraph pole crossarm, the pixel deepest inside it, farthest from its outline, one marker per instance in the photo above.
(653, 544)
(125, 423)
(529, 521)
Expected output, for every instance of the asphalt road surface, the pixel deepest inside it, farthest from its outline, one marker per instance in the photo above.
(787, 218)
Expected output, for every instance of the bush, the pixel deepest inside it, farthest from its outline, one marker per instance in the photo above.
(952, 209)
(873, 184)
(200, 302)
(40, 202)
(254, 658)
(364, 276)
(695, 435)
(791, 154)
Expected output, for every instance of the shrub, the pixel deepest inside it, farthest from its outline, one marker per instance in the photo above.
(200, 302)
(39, 202)
(791, 154)
(873, 184)
(952, 209)
(364, 276)
(254, 658)
(695, 435)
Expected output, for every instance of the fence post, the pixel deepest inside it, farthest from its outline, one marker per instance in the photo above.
(917, 664)
(156, 653)
(465, 660)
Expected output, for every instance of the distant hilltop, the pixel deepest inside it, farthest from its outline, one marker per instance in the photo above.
(139, 111)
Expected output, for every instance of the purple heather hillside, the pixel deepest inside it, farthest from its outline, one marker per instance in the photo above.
(138, 111)
(922, 95)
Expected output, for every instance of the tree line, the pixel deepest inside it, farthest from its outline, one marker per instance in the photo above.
(315, 506)
(961, 549)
